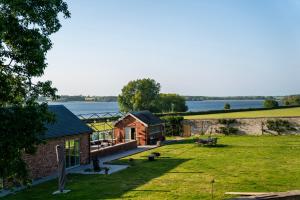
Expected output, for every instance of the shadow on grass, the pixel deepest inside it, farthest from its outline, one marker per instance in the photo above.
(114, 186)
(215, 146)
(152, 190)
(184, 141)
(185, 172)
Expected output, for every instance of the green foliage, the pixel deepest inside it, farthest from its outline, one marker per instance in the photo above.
(171, 103)
(140, 94)
(25, 29)
(227, 106)
(291, 100)
(270, 103)
(280, 126)
(173, 126)
(227, 121)
(143, 94)
(21, 130)
(227, 129)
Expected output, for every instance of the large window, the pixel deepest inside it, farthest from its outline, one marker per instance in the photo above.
(72, 153)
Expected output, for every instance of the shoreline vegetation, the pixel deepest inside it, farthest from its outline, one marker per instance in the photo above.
(67, 98)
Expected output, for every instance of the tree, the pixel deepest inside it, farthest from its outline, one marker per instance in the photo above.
(270, 103)
(171, 103)
(227, 106)
(140, 94)
(25, 29)
(291, 100)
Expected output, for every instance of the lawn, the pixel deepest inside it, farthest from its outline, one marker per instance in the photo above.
(285, 112)
(185, 170)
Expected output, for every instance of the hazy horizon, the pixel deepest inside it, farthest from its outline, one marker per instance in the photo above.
(193, 48)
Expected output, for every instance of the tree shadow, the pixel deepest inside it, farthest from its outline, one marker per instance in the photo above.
(184, 141)
(113, 186)
(143, 171)
(215, 146)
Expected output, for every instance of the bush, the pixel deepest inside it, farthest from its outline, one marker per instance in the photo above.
(227, 129)
(280, 126)
(227, 106)
(227, 121)
(173, 125)
(291, 100)
(270, 103)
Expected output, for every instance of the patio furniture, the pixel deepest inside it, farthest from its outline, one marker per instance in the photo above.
(151, 157)
(209, 141)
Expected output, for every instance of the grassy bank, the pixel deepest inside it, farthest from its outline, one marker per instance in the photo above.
(286, 112)
(185, 170)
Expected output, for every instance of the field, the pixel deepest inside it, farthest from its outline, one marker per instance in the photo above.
(286, 112)
(185, 171)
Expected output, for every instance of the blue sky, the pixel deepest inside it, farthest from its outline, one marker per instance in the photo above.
(209, 48)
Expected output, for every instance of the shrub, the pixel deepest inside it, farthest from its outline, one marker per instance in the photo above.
(280, 126)
(227, 129)
(227, 106)
(227, 121)
(291, 100)
(270, 103)
(173, 125)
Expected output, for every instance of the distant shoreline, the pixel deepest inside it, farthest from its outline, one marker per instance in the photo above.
(186, 100)
(67, 98)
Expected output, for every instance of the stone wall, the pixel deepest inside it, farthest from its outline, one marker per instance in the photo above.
(248, 126)
(44, 163)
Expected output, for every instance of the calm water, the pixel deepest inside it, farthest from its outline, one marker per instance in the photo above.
(79, 107)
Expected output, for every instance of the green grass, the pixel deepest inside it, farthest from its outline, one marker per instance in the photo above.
(285, 112)
(184, 171)
(101, 126)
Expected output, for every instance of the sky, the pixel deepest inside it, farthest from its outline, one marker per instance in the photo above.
(201, 47)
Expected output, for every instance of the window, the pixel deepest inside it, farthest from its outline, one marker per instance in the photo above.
(72, 153)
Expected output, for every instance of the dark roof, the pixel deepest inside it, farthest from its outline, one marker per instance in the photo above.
(147, 117)
(66, 123)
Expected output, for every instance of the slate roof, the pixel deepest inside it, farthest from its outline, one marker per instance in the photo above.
(147, 117)
(66, 123)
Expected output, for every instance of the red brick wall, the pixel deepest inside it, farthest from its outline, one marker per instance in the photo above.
(44, 163)
(129, 121)
(114, 149)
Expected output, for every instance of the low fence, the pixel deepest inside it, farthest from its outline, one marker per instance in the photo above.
(244, 126)
(114, 149)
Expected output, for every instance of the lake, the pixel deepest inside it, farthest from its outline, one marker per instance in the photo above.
(78, 107)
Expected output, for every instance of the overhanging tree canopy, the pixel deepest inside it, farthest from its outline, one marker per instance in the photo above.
(25, 27)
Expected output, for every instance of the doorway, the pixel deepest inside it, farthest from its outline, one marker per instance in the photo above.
(129, 134)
